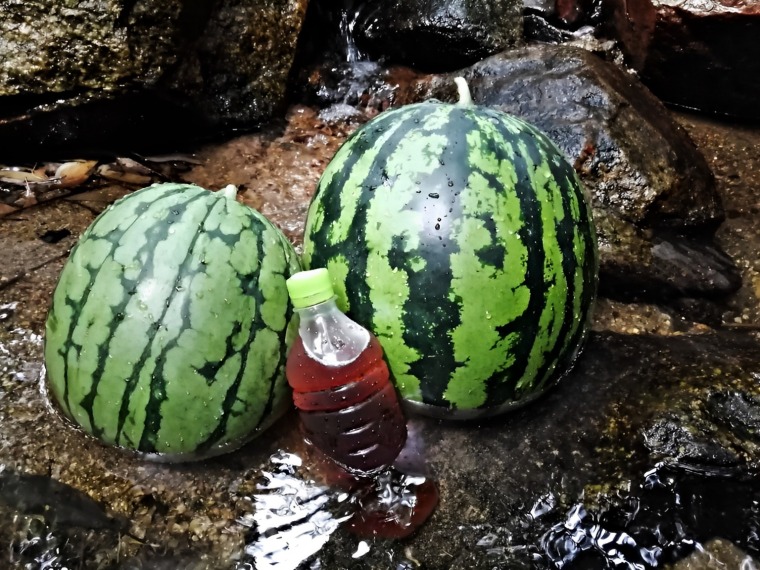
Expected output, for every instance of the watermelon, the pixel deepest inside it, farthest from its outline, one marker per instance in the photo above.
(463, 239)
(170, 323)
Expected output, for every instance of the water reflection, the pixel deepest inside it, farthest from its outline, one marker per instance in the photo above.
(293, 517)
(670, 515)
(579, 534)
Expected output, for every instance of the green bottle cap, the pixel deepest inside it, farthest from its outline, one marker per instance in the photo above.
(308, 288)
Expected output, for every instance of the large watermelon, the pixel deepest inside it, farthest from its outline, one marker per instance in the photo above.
(170, 323)
(461, 236)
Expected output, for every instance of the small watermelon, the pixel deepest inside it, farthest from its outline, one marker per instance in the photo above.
(170, 323)
(463, 239)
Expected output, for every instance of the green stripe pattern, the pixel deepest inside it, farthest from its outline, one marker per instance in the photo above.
(462, 237)
(170, 323)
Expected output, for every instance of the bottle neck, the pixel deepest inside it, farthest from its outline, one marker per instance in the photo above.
(329, 336)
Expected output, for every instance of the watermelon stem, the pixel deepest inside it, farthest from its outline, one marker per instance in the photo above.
(465, 98)
(230, 191)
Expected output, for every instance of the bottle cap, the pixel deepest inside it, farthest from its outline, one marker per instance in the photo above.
(309, 288)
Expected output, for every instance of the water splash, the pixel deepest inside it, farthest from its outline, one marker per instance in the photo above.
(580, 533)
(295, 516)
(20, 350)
(292, 520)
(346, 26)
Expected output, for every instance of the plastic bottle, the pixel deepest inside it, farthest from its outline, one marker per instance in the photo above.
(348, 406)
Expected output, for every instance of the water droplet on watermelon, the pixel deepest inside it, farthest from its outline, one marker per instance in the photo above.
(438, 226)
(451, 183)
(433, 195)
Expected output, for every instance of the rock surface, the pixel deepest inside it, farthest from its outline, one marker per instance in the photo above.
(640, 264)
(557, 21)
(62, 47)
(631, 156)
(437, 35)
(701, 54)
(122, 65)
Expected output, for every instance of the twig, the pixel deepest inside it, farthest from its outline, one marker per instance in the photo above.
(19, 276)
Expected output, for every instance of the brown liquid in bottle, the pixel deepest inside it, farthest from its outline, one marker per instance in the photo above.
(351, 412)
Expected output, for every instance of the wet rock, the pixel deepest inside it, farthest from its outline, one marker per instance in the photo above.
(510, 487)
(328, 33)
(631, 156)
(668, 437)
(102, 125)
(717, 553)
(702, 54)
(237, 67)
(577, 12)
(60, 504)
(554, 21)
(638, 264)
(54, 47)
(79, 76)
(437, 35)
(632, 23)
(737, 410)
(733, 152)
(538, 28)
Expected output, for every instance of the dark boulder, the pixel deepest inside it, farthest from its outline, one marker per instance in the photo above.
(695, 53)
(633, 158)
(437, 35)
(641, 264)
(139, 69)
(555, 21)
